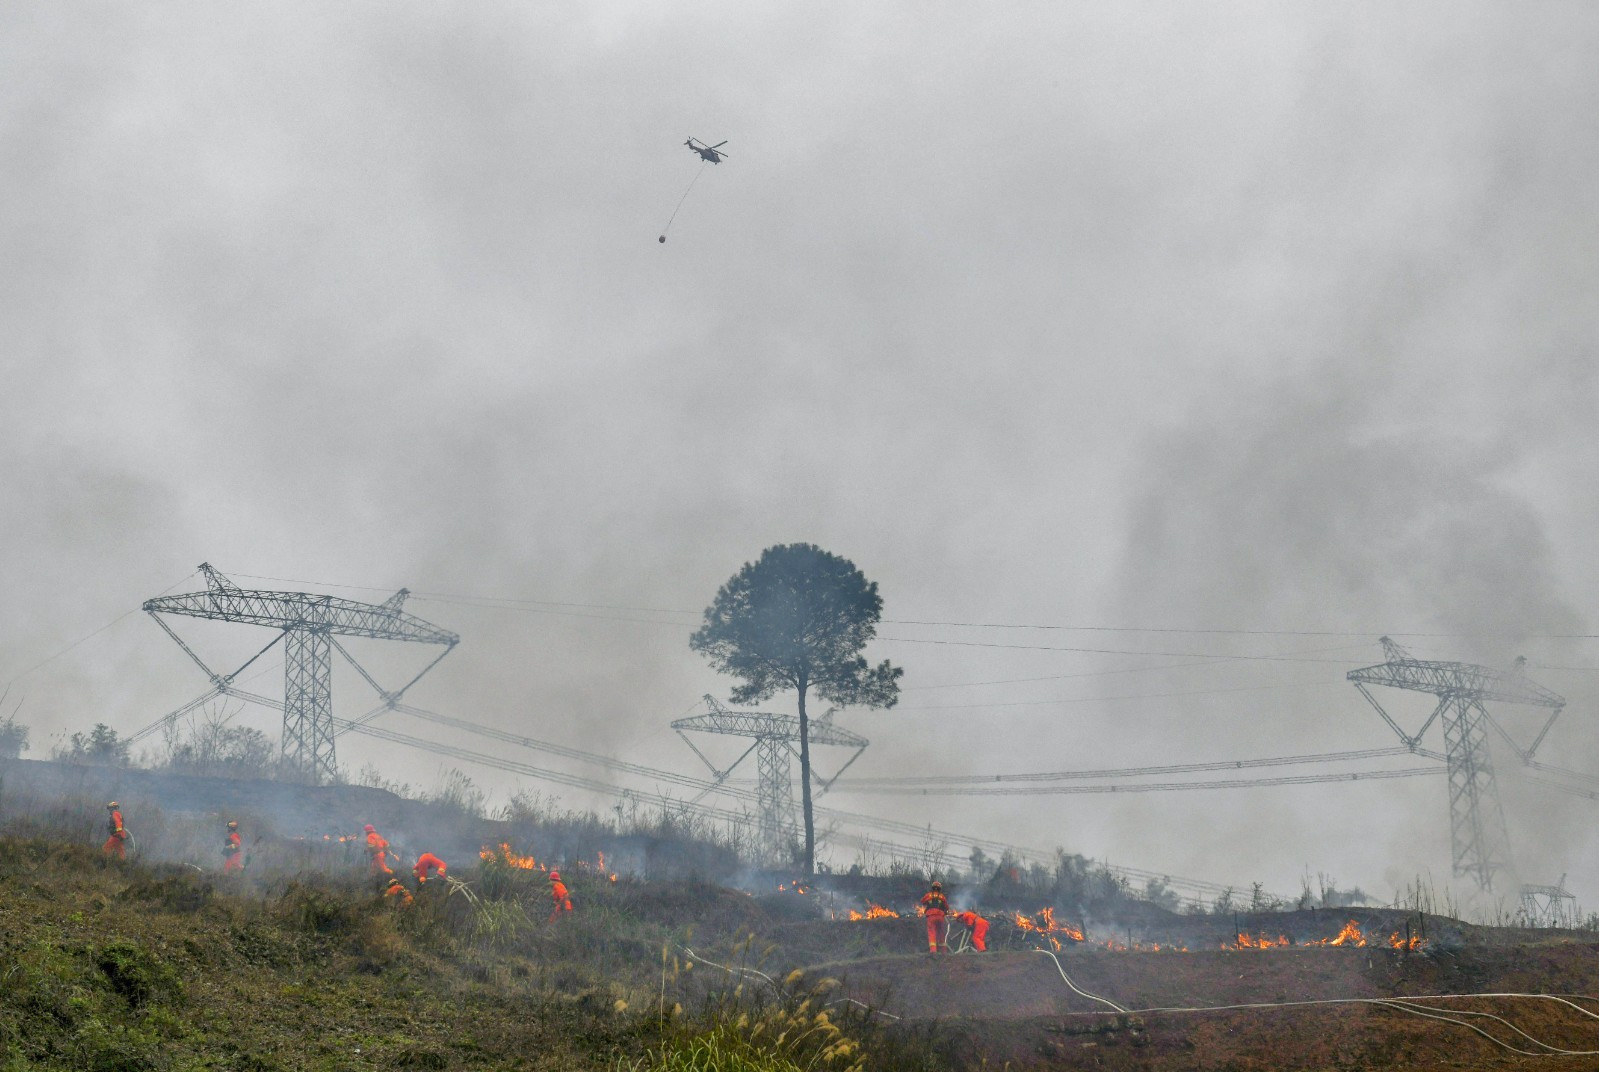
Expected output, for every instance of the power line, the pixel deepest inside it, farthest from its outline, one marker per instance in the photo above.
(1125, 651)
(1144, 772)
(1109, 699)
(1243, 632)
(91, 635)
(513, 602)
(1147, 787)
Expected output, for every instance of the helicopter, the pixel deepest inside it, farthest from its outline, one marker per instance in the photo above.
(711, 154)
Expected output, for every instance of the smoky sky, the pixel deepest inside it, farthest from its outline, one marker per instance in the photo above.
(1272, 319)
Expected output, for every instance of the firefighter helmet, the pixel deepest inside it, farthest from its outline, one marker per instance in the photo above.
(369, 829)
(112, 804)
(555, 876)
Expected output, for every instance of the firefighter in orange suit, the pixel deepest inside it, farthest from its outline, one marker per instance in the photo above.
(397, 896)
(979, 928)
(427, 866)
(233, 851)
(117, 842)
(936, 908)
(558, 894)
(378, 850)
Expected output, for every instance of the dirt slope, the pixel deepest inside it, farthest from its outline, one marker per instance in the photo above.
(1014, 1006)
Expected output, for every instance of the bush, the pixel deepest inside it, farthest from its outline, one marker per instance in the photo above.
(137, 974)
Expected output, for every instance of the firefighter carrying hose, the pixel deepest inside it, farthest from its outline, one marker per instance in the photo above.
(377, 850)
(936, 908)
(427, 866)
(117, 842)
(233, 851)
(979, 928)
(558, 894)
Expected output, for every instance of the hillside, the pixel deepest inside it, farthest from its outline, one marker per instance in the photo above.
(133, 967)
(678, 956)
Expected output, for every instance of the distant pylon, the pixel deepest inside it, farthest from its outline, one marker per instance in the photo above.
(774, 736)
(1481, 846)
(308, 625)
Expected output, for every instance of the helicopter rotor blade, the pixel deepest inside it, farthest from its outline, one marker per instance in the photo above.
(721, 143)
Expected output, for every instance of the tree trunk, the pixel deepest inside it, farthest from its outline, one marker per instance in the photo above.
(805, 785)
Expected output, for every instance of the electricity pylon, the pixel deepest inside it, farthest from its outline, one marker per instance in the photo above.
(773, 739)
(1477, 832)
(1548, 906)
(308, 625)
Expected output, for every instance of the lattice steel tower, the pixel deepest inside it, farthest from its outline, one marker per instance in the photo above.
(1476, 820)
(309, 625)
(774, 737)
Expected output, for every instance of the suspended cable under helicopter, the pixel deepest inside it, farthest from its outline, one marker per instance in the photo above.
(708, 154)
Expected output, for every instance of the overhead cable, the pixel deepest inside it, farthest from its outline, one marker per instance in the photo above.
(1140, 772)
(1146, 787)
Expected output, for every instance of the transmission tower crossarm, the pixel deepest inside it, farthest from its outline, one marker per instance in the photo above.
(1483, 682)
(303, 610)
(762, 724)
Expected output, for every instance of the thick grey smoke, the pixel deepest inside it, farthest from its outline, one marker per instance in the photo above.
(1179, 318)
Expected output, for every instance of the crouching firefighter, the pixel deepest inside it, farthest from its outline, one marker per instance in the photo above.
(979, 928)
(396, 896)
(427, 866)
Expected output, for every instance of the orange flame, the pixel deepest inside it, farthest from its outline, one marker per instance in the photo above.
(873, 911)
(504, 855)
(1415, 941)
(1249, 941)
(1153, 947)
(1350, 935)
(1044, 926)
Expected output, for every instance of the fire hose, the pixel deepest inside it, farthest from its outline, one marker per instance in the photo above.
(1401, 1004)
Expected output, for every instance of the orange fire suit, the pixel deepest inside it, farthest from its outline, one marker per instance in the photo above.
(428, 866)
(378, 849)
(563, 902)
(116, 843)
(937, 908)
(233, 853)
(979, 928)
(397, 896)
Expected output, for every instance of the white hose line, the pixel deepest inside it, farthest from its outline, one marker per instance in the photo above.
(1550, 1051)
(1400, 1004)
(1074, 987)
(1420, 1010)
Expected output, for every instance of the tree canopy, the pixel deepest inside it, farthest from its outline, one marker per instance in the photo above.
(797, 619)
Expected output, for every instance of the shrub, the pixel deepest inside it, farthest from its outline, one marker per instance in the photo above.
(137, 974)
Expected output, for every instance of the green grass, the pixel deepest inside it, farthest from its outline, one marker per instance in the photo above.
(110, 966)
